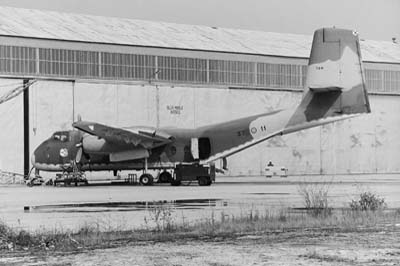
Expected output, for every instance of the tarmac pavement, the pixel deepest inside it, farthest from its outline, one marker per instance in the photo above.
(130, 207)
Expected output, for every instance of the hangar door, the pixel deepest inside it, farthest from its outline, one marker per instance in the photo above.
(12, 128)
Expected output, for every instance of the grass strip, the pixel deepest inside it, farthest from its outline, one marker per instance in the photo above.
(216, 226)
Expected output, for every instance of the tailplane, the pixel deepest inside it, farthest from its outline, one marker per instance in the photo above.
(335, 84)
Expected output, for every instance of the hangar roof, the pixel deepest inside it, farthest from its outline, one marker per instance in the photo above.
(86, 28)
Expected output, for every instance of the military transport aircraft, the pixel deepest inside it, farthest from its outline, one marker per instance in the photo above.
(335, 90)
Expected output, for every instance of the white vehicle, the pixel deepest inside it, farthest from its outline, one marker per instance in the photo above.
(272, 170)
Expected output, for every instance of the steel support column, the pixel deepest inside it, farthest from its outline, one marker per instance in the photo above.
(26, 128)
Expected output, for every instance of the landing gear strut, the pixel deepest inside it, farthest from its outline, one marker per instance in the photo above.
(146, 179)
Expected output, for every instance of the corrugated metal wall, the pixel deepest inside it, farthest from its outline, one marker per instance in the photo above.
(367, 144)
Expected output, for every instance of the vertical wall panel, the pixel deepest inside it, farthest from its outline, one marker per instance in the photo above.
(302, 153)
(11, 133)
(176, 107)
(136, 105)
(347, 146)
(117, 105)
(96, 102)
(386, 110)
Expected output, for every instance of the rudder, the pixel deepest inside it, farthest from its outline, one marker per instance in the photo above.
(335, 78)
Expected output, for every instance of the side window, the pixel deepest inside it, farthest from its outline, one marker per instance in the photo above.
(63, 137)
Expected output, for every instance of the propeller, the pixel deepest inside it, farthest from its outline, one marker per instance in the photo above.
(79, 153)
(78, 156)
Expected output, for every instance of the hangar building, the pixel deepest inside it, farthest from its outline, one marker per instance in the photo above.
(125, 72)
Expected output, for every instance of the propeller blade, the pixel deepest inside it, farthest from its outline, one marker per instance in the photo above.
(78, 156)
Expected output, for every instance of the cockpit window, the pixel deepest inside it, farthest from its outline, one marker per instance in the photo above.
(61, 136)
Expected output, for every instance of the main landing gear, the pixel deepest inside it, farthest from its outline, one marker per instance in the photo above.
(146, 179)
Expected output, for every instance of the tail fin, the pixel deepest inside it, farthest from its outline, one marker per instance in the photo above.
(335, 78)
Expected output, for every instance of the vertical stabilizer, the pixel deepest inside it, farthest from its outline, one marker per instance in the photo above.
(335, 78)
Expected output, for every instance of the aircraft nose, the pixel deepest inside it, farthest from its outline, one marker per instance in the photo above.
(38, 155)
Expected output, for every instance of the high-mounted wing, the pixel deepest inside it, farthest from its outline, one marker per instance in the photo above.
(124, 136)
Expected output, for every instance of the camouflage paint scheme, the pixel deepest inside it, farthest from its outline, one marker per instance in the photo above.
(335, 90)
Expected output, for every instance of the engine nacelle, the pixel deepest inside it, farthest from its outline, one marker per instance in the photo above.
(93, 144)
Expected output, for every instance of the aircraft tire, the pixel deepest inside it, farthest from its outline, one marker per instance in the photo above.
(146, 179)
(165, 177)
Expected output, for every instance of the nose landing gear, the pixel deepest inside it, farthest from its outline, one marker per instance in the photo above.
(36, 180)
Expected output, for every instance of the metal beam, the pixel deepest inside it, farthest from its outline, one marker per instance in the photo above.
(26, 128)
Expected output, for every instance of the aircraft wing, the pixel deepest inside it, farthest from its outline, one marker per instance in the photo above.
(124, 136)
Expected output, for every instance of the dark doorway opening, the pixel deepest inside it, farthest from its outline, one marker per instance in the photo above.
(204, 148)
